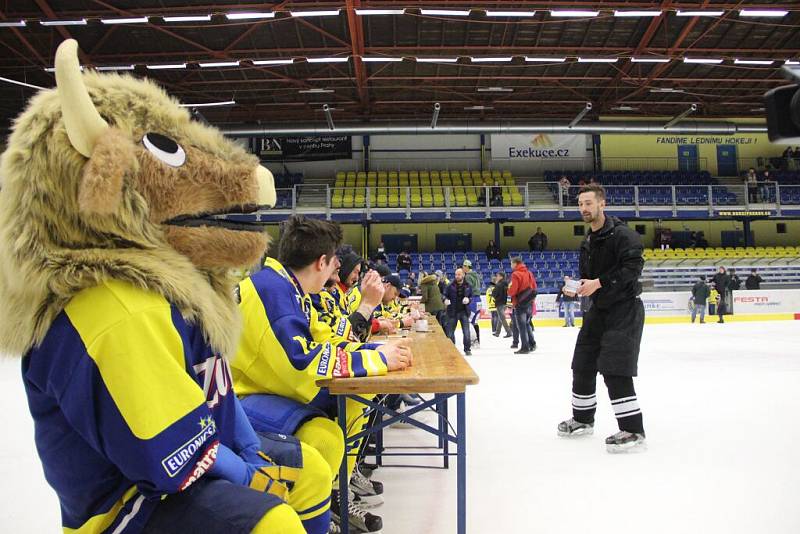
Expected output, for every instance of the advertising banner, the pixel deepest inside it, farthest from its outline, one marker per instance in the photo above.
(767, 301)
(307, 148)
(538, 147)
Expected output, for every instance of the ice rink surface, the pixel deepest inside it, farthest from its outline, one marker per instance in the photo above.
(720, 407)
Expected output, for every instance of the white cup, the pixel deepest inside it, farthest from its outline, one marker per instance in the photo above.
(421, 325)
(572, 286)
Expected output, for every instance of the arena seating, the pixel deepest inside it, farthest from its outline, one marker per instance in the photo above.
(387, 189)
(549, 267)
(791, 193)
(691, 188)
(680, 268)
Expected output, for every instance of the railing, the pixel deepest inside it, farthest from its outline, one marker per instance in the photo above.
(533, 196)
(654, 164)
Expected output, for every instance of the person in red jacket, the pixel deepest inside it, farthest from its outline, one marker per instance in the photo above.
(523, 294)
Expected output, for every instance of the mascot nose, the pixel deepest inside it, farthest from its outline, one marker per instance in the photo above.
(266, 187)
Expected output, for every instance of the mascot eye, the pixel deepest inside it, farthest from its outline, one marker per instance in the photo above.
(164, 149)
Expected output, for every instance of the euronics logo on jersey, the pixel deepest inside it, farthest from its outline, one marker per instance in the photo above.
(538, 146)
(176, 460)
(342, 329)
(324, 360)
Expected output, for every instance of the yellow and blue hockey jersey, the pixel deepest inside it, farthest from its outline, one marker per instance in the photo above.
(130, 404)
(285, 348)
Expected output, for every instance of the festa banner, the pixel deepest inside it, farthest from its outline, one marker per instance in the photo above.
(308, 148)
(766, 301)
(538, 147)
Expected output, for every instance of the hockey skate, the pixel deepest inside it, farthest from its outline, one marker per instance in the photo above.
(368, 491)
(572, 428)
(359, 519)
(624, 441)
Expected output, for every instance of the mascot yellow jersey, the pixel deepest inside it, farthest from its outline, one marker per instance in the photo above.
(285, 348)
(91, 385)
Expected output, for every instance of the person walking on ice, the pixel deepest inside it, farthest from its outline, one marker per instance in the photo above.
(608, 342)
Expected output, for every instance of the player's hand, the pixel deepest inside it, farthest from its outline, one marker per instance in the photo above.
(386, 326)
(398, 354)
(447, 302)
(588, 287)
(407, 321)
(371, 289)
(465, 300)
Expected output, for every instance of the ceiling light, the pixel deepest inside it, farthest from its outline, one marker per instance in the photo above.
(702, 60)
(327, 59)
(17, 24)
(273, 61)
(220, 64)
(167, 66)
(314, 91)
(15, 82)
(700, 13)
(78, 22)
(504, 59)
(636, 13)
(317, 13)
(53, 69)
(624, 108)
(477, 108)
(209, 104)
(753, 62)
(791, 62)
(188, 18)
(650, 60)
(597, 59)
(437, 59)
(131, 20)
(572, 13)
(495, 90)
(510, 13)
(380, 59)
(545, 59)
(758, 109)
(250, 16)
(446, 12)
(380, 11)
(666, 90)
(763, 13)
(114, 67)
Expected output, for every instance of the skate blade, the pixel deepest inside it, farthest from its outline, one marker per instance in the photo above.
(577, 433)
(632, 448)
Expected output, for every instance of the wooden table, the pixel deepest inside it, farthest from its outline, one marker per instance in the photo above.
(438, 368)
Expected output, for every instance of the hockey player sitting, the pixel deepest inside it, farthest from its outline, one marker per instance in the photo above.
(282, 353)
(115, 289)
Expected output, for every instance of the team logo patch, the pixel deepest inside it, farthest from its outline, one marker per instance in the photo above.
(340, 369)
(177, 459)
(202, 466)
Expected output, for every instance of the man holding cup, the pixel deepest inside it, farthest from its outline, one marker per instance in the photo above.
(608, 342)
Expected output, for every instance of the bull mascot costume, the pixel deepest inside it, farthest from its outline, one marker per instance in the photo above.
(116, 292)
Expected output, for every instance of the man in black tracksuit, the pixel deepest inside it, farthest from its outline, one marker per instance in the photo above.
(608, 342)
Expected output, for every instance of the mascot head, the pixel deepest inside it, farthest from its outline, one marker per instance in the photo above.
(107, 177)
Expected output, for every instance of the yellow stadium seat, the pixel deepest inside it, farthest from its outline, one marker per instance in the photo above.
(427, 181)
(403, 174)
(438, 196)
(361, 175)
(393, 182)
(383, 174)
(435, 174)
(372, 181)
(347, 201)
(340, 181)
(403, 181)
(424, 174)
(444, 174)
(383, 181)
(496, 175)
(336, 198)
(444, 181)
(393, 174)
(341, 175)
(413, 180)
(382, 200)
(372, 174)
(394, 198)
(506, 174)
(456, 179)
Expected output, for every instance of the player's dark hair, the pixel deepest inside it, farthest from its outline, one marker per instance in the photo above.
(304, 240)
(597, 189)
